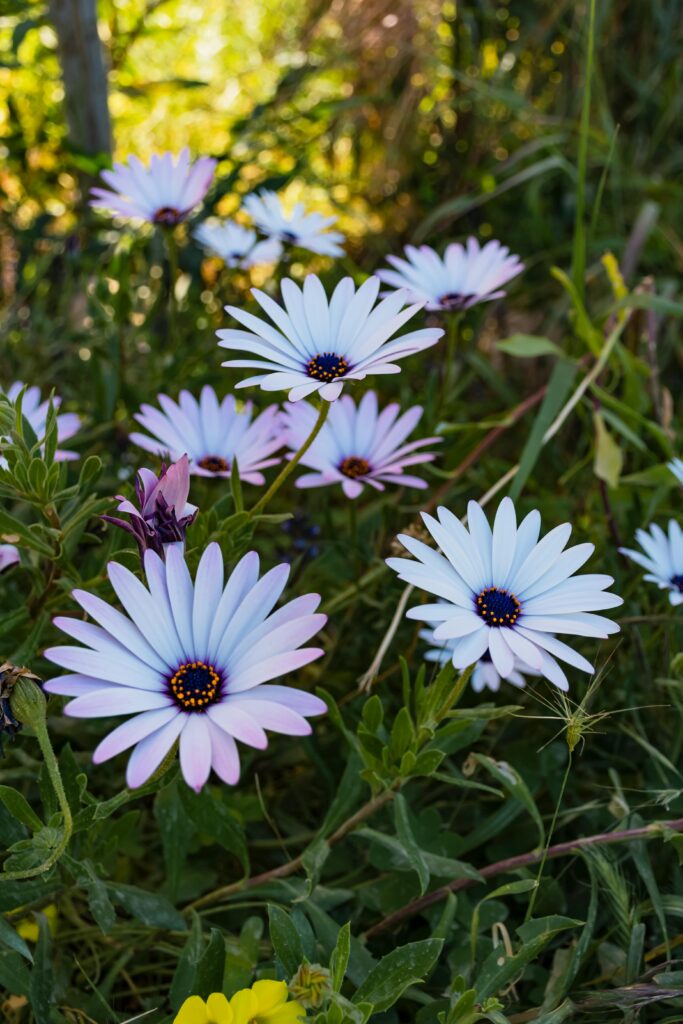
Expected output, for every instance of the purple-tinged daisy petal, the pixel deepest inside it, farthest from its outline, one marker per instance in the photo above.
(663, 556)
(188, 661)
(319, 344)
(165, 193)
(356, 446)
(504, 591)
(463, 278)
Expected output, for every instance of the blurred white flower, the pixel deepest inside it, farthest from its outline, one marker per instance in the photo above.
(318, 344)
(463, 278)
(164, 193)
(35, 411)
(9, 555)
(676, 467)
(236, 245)
(357, 445)
(505, 591)
(307, 230)
(663, 558)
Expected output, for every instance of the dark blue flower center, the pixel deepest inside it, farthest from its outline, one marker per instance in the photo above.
(327, 366)
(354, 466)
(195, 685)
(214, 464)
(167, 215)
(453, 301)
(677, 582)
(497, 607)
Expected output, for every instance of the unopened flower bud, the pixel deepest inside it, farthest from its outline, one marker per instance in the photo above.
(21, 689)
(310, 985)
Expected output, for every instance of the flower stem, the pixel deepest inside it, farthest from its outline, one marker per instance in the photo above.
(323, 410)
(172, 254)
(50, 761)
(453, 323)
(539, 876)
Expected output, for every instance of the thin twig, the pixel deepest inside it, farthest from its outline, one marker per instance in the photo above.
(522, 860)
(294, 865)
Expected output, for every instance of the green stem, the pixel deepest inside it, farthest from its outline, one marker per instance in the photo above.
(50, 761)
(173, 270)
(579, 246)
(541, 868)
(452, 334)
(288, 469)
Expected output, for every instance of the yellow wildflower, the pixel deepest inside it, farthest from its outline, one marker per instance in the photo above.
(216, 1010)
(27, 927)
(265, 1003)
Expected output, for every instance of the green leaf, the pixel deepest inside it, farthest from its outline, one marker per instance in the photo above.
(19, 808)
(528, 346)
(149, 907)
(184, 976)
(499, 968)
(609, 459)
(177, 833)
(558, 388)
(313, 859)
(522, 885)
(10, 938)
(211, 816)
(14, 974)
(41, 988)
(513, 782)
(407, 839)
(396, 972)
(211, 967)
(340, 957)
(285, 939)
(236, 486)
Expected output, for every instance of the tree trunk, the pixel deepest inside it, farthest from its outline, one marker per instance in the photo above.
(84, 75)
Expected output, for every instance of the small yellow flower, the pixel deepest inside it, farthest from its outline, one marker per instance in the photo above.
(216, 1010)
(27, 927)
(265, 1003)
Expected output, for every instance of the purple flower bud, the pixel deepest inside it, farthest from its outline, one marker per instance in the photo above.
(163, 513)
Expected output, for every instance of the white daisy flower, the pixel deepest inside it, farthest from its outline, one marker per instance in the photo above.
(485, 675)
(236, 245)
(506, 592)
(676, 467)
(188, 662)
(212, 434)
(307, 230)
(317, 345)
(164, 193)
(35, 411)
(663, 558)
(357, 445)
(463, 278)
